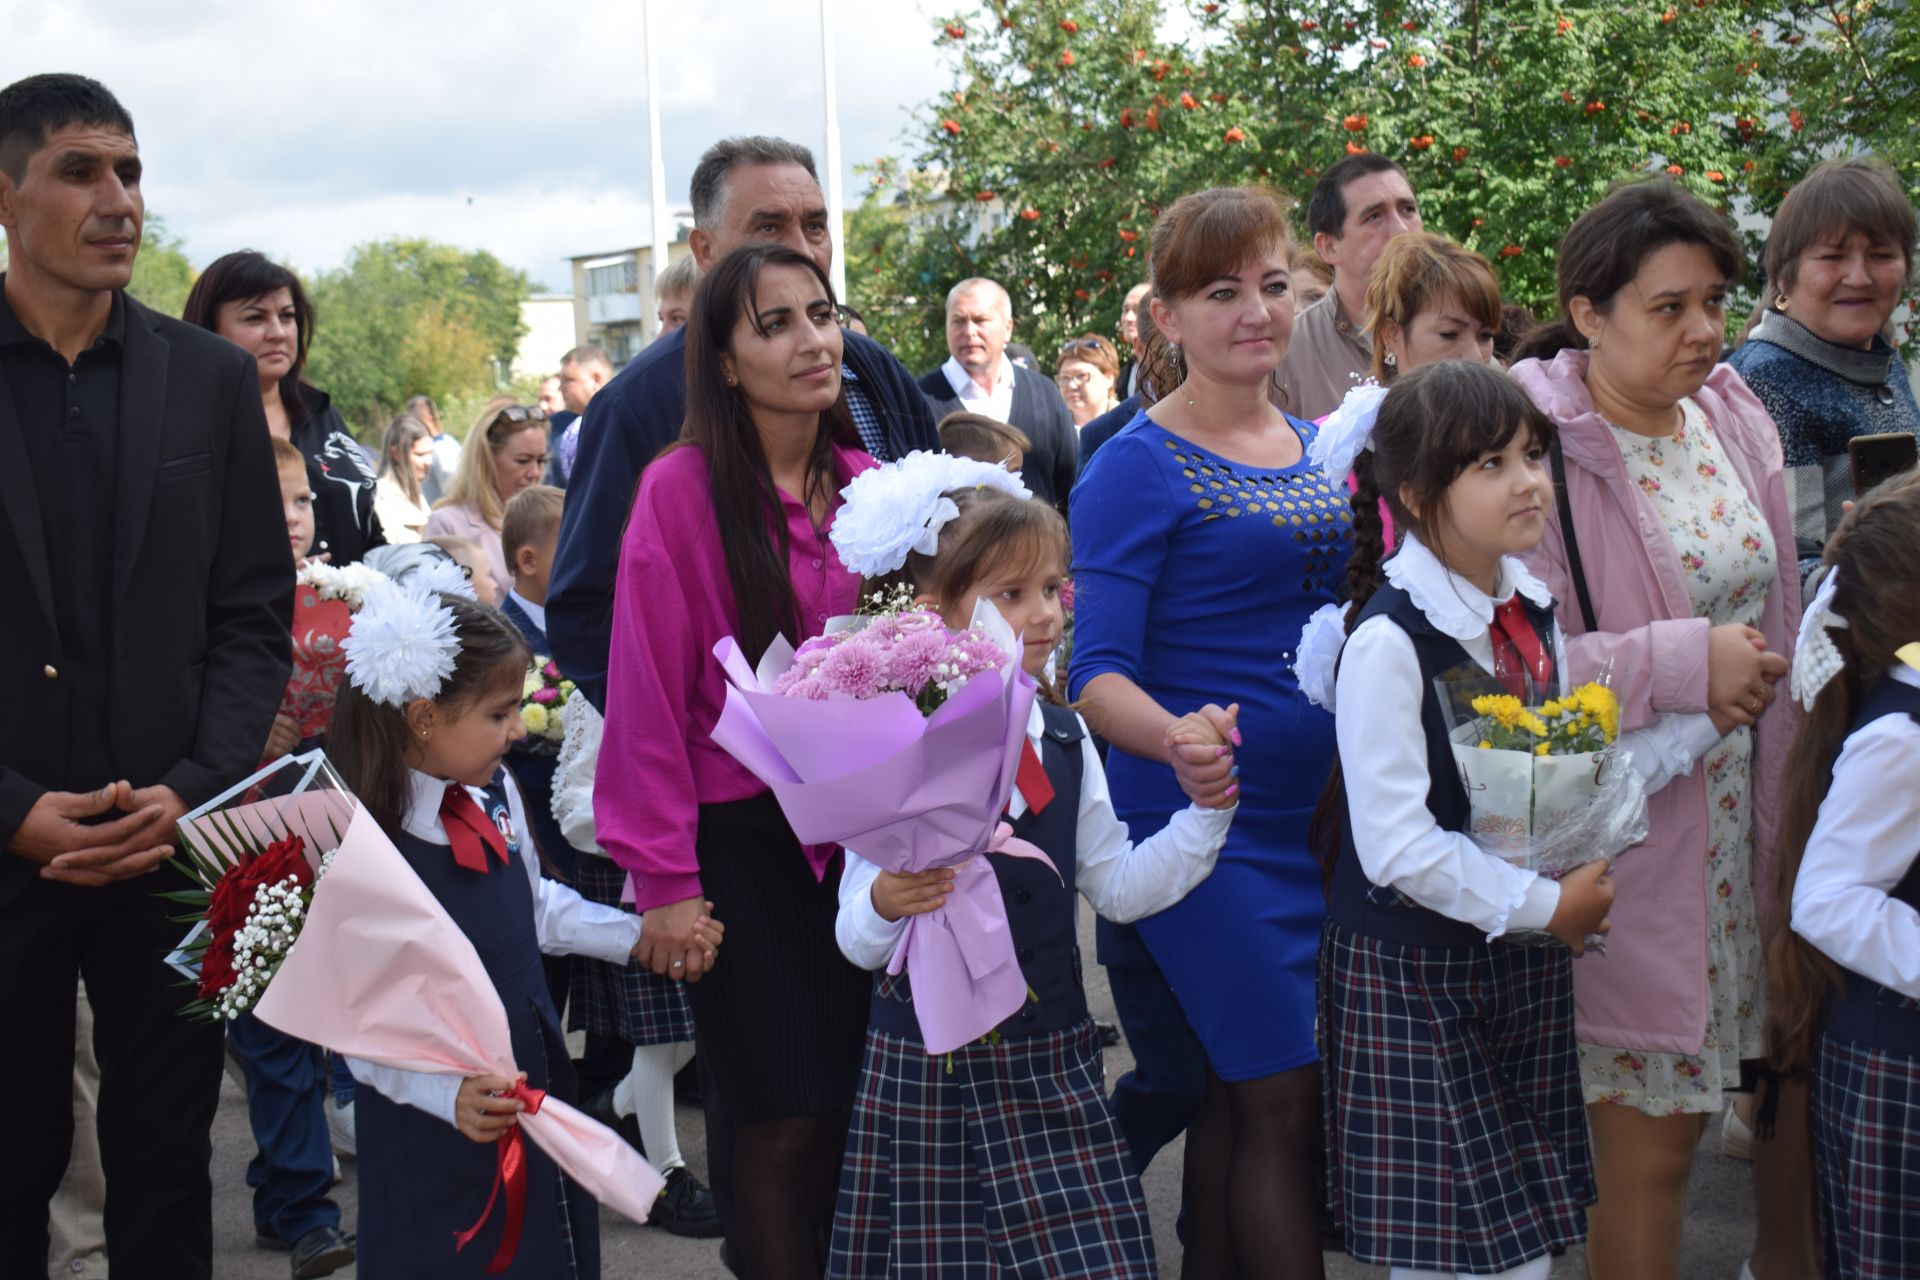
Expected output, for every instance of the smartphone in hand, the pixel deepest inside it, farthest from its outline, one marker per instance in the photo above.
(1881, 457)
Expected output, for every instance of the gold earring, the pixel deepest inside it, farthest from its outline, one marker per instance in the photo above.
(1780, 303)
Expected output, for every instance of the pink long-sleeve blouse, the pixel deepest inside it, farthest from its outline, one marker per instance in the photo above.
(672, 603)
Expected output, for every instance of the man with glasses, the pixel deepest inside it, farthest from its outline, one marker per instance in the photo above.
(979, 378)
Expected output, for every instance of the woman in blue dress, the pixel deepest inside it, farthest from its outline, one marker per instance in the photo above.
(1203, 540)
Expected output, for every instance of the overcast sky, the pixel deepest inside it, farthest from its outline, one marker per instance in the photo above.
(302, 130)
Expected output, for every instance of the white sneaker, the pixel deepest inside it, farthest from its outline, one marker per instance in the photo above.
(1736, 1142)
(340, 1128)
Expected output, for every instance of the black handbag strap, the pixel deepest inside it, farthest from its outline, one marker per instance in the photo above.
(1574, 569)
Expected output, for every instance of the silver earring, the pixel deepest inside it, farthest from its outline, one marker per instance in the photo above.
(1390, 360)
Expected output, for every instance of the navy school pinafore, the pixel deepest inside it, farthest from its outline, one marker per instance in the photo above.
(421, 1180)
(1456, 1135)
(1003, 1157)
(1866, 1092)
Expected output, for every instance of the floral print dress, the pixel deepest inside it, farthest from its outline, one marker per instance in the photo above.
(1726, 555)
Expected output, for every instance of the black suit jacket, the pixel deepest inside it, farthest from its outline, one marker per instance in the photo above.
(1054, 458)
(201, 593)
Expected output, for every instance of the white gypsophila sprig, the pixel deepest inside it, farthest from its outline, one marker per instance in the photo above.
(901, 507)
(260, 944)
(1346, 433)
(402, 644)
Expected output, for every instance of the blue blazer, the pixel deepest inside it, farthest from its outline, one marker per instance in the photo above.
(629, 422)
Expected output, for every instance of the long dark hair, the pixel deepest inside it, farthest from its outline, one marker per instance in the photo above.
(239, 277)
(720, 424)
(1878, 594)
(367, 740)
(1603, 250)
(1434, 423)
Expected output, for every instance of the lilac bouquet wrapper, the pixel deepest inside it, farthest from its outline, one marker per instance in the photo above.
(381, 972)
(908, 793)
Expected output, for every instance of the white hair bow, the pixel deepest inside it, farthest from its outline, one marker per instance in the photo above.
(403, 644)
(1346, 433)
(1816, 659)
(901, 507)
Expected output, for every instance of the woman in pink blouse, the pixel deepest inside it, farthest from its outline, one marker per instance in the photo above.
(728, 537)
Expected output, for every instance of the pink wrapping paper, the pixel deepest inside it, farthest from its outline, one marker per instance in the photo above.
(381, 972)
(908, 793)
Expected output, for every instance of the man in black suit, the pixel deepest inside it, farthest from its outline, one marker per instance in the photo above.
(979, 378)
(146, 648)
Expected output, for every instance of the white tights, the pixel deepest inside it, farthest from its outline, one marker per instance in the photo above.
(646, 1094)
(1535, 1270)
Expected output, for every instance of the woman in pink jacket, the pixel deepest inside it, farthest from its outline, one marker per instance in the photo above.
(1684, 540)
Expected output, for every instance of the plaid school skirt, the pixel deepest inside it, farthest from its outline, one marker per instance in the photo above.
(1866, 1156)
(1009, 1164)
(1456, 1138)
(625, 1002)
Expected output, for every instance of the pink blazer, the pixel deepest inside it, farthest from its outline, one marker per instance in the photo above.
(1649, 992)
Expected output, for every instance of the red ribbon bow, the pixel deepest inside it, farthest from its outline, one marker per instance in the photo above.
(1521, 662)
(510, 1171)
(469, 831)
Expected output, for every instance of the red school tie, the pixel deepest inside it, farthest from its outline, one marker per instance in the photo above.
(469, 831)
(1518, 655)
(1031, 777)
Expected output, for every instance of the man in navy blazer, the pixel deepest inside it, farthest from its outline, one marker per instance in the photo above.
(744, 190)
(981, 377)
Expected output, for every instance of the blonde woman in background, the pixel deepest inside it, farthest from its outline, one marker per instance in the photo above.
(505, 451)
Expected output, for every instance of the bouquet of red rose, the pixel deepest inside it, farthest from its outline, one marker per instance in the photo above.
(254, 864)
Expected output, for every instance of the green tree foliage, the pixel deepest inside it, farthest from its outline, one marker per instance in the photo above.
(162, 273)
(1083, 118)
(405, 317)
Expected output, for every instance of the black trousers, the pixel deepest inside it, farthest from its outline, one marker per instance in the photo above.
(159, 1076)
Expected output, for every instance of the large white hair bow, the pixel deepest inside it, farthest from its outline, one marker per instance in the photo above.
(1346, 433)
(901, 507)
(1816, 659)
(403, 643)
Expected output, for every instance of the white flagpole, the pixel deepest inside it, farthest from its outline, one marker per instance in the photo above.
(836, 203)
(656, 180)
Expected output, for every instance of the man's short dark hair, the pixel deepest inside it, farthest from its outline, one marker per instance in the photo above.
(590, 356)
(709, 190)
(33, 108)
(1327, 210)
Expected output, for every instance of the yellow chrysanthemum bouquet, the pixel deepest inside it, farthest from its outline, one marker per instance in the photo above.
(1546, 788)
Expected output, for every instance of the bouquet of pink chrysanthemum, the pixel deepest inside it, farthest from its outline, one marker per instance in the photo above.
(901, 649)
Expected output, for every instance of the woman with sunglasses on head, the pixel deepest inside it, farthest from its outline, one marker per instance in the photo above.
(505, 452)
(260, 306)
(1087, 373)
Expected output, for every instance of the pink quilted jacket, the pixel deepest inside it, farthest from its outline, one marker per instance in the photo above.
(1649, 992)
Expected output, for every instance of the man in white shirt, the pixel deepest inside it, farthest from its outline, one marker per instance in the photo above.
(979, 378)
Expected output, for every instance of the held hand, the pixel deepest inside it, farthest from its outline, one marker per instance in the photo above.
(1586, 895)
(481, 1114)
(1202, 761)
(1741, 674)
(707, 934)
(282, 738)
(671, 943)
(897, 896)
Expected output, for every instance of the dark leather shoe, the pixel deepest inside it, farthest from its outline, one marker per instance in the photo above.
(321, 1252)
(685, 1208)
(1109, 1034)
(600, 1107)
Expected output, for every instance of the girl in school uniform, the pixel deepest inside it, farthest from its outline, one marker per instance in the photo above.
(429, 709)
(1456, 1139)
(1003, 1157)
(1844, 980)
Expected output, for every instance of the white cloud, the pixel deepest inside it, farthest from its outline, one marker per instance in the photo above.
(302, 130)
